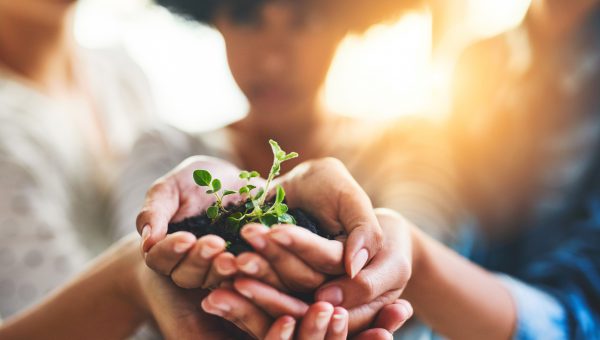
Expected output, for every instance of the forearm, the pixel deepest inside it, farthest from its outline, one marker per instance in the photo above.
(95, 305)
(455, 297)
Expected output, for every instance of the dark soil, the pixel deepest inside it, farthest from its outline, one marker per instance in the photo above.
(201, 225)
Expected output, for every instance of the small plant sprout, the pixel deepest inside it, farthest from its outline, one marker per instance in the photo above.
(255, 208)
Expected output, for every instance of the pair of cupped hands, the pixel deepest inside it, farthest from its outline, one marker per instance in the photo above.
(356, 281)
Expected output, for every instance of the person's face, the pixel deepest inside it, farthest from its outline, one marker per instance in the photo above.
(280, 56)
(46, 12)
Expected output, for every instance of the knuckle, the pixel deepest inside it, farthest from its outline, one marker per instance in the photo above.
(307, 282)
(365, 285)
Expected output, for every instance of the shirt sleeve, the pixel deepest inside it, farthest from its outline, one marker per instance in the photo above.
(154, 154)
(537, 311)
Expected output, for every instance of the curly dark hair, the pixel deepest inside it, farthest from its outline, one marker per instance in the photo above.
(358, 15)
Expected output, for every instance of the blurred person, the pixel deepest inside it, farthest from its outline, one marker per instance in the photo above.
(531, 184)
(279, 53)
(68, 116)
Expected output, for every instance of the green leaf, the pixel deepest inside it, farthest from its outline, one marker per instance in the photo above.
(280, 209)
(212, 212)
(202, 178)
(216, 185)
(260, 192)
(250, 186)
(210, 191)
(269, 220)
(289, 156)
(237, 216)
(280, 196)
(249, 205)
(244, 175)
(275, 147)
(286, 219)
(280, 155)
(229, 192)
(275, 169)
(232, 222)
(244, 190)
(254, 174)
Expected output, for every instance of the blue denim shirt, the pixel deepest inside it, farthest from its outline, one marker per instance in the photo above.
(552, 268)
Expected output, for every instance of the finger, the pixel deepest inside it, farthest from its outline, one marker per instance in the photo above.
(315, 322)
(292, 271)
(393, 316)
(256, 267)
(388, 272)
(191, 272)
(166, 254)
(374, 334)
(223, 267)
(338, 327)
(365, 236)
(269, 299)
(319, 253)
(161, 203)
(238, 310)
(282, 329)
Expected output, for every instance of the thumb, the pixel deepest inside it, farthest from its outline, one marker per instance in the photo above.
(365, 236)
(160, 205)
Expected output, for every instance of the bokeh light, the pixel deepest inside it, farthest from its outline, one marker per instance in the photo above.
(388, 72)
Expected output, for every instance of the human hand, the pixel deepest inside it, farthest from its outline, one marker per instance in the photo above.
(325, 189)
(293, 259)
(258, 308)
(190, 262)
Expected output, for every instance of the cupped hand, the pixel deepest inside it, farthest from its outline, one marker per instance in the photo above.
(259, 308)
(327, 190)
(293, 259)
(191, 263)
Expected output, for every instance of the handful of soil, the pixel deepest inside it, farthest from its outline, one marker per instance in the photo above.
(202, 225)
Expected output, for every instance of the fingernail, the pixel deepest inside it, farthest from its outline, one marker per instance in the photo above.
(207, 307)
(207, 252)
(226, 267)
(358, 262)
(333, 295)
(245, 293)
(250, 268)
(338, 323)
(281, 238)
(146, 231)
(223, 307)
(257, 242)
(407, 311)
(182, 247)
(287, 330)
(322, 319)
(254, 236)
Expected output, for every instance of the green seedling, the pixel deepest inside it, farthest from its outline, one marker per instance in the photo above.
(256, 209)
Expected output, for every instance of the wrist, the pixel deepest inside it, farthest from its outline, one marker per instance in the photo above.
(128, 269)
(420, 262)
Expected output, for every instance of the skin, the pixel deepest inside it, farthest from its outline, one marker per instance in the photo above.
(37, 46)
(410, 263)
(118, 292)
(476, 305)
(280, 61)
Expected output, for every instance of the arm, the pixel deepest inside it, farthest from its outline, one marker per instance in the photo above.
(455, 297)
(92, 306)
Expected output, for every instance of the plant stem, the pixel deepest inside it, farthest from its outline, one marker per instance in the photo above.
(269, 180)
